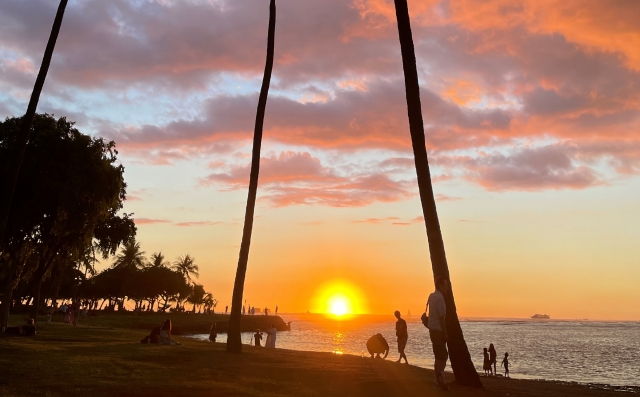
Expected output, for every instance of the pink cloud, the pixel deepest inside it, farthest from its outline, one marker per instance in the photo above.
(149, 221)
(497, 77)
(197, 223)
(298, 178)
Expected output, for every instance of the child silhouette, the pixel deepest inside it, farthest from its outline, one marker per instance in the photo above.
(505, 363)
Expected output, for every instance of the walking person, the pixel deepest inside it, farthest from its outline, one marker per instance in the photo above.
(438, 329)
(493, 358)
(403, 336)
(276, 310)
(505, 363)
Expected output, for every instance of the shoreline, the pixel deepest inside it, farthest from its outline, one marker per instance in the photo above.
(592, 385)
(97, 361)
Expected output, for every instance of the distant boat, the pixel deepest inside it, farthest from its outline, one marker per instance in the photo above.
(541, 316)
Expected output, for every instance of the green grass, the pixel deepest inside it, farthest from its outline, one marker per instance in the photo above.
(183, 323)
(93, 361)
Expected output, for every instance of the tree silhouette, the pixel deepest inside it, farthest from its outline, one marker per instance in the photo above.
(234, 343)
(157, 260)
(131, 257)
(461, 363)
(17, 154)
(186, 266)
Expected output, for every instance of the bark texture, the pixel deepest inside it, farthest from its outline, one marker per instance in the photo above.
(234, 343)
(463, 368)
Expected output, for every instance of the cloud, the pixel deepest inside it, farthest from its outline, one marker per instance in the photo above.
(548, 167)
(149, 221)
(498, 78)
(293, 178)
(376, 220)
(197, 223)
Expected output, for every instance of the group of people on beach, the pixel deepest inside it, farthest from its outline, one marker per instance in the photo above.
(271, 332)
(490, 361)
(434, 318)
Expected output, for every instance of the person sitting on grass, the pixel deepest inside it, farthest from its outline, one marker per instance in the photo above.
(505, 363)
(377, 345)
(258, 337)
(165, 334)
(30, 328)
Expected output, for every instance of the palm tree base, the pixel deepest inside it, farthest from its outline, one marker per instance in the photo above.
(234, 341)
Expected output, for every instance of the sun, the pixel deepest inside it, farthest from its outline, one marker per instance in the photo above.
(338, 306)
(339, 299)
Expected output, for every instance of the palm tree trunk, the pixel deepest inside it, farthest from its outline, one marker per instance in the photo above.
(25, 128)
(461, 363)
(234, 343)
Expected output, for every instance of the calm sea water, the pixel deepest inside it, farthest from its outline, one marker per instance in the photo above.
(586, 352)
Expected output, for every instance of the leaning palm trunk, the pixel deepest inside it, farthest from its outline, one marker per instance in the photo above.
(25, 128)
(461, 363)
(234, 343)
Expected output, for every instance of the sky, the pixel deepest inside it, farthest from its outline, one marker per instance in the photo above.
(532, 122)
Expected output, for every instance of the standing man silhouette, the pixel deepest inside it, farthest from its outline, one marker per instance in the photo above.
(438, 329)
(403, 336)
(276, 310)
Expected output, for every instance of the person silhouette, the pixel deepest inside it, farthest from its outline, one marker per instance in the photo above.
(493, 358)
(276, 310)
(486, 366)
(505, 363)
(257, 337)
(213, 334)
(226, 309)
(377, 345)
(438, 329)
(403, 336)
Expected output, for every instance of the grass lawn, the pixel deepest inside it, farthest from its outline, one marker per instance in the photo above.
(183, 323)
(95, 361)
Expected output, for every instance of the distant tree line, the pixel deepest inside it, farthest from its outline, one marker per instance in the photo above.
(65, 214)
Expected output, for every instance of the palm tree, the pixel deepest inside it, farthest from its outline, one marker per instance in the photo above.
(186, 265)
(197, 296)
(209, 302)
(25, 128)
(157, 260)
(131, 257)
(234, 343)
(461, 363)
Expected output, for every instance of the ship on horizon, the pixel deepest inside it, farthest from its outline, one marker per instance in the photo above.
(541, 316)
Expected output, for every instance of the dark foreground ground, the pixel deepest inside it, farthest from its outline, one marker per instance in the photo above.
(96, 361)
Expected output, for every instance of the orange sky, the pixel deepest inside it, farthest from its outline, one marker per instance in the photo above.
(532, 117)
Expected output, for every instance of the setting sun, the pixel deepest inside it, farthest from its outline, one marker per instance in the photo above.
(339, 298)
(338, 306)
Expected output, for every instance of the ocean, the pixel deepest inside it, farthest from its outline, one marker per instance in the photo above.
(572, 351)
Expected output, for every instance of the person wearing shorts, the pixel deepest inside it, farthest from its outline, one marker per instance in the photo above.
(438, 329)
(403, 336)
